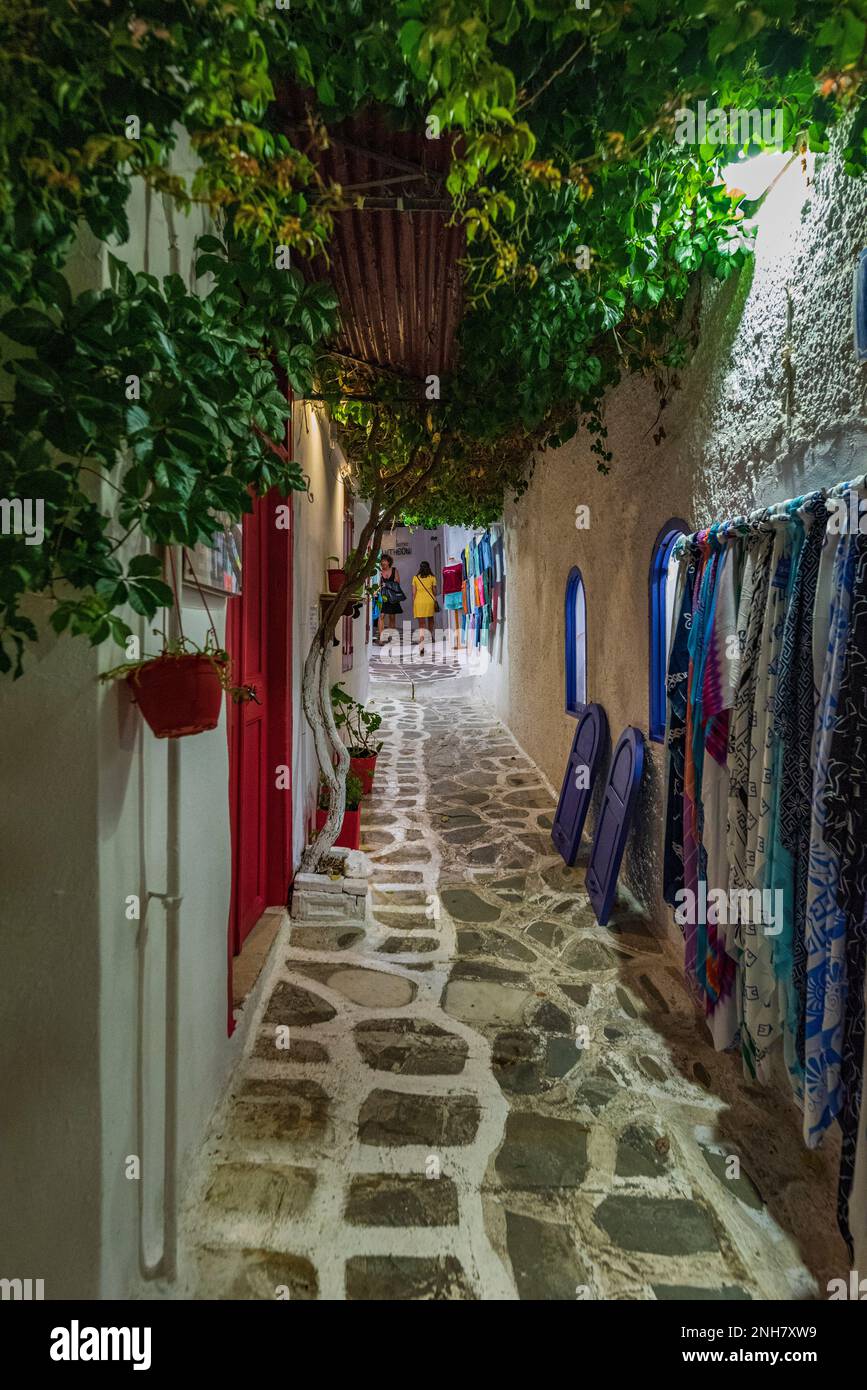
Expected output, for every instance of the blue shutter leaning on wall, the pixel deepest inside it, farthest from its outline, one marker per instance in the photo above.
(588, 747)
(615, 819)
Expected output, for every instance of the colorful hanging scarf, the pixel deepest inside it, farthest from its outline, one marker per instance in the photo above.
(794, 720)
(718, 693)
(826, 923)
(677, 689)
(846, 833)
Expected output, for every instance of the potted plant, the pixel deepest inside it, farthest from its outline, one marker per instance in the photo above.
(336, 575)
(180, 691)
(360, 725)
(350, 829)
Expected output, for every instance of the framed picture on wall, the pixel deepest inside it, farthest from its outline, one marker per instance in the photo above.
(218, 567)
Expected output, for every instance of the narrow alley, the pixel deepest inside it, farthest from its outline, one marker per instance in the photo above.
(433, 653)
(480, 1093)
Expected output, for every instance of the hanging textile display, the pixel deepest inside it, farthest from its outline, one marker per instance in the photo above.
(765, 852)
(477, 590)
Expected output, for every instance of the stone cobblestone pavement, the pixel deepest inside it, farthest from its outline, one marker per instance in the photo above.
(486, 1095)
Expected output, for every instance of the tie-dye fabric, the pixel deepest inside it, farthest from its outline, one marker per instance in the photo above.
(826, 922)
(677, 690)
(846, 834)
(794, 720)
(741, 755)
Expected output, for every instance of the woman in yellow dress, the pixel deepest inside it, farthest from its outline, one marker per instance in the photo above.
(424, 600)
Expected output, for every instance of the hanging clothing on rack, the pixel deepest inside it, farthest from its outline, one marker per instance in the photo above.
(794, 720)
(766, 796)
(825, 926)
(846, 833)
(717, 700)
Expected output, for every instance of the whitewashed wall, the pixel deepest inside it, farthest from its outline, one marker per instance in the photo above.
(318, 534)
(95, 809)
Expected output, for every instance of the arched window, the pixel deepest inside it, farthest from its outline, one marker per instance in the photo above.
(576, 643)
(663, 583)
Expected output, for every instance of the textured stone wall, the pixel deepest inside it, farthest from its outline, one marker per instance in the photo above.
(771, 404)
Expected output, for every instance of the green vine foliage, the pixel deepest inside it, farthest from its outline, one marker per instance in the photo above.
(144, 408)
(586, 224)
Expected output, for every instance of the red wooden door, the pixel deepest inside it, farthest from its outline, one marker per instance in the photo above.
(348, 536)
(259, 641)
(246, 636)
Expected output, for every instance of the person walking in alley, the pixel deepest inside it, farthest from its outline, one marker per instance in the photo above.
(391, 594)
(424, 602)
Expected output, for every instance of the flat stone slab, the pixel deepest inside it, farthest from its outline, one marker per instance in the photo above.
(589, 954)
(484, 970)
(272, 1046)
(373, 988)
(410, 1047)
(399, 945)
(657, 1225)
(640, 1154)
(392, 1199)
(403, 919)
(466, 906)
(406, 897)
(492, 943)
(544, 1260)
(298, 1008)
(580, 994)
(406, 1277)
(485, 854)
(395, 1118)
(549, 934)
(280, 1109)
(561, 1055)
(551, 1019)
(480, 1003)
(540, 1151)
(253, 1274)
(516, 1059)
(261, 1191)
(533, 799)
(741, 1186)
(406, 854)
(382, 873)
(325, 936)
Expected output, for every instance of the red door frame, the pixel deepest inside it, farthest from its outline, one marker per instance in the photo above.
(267, 561)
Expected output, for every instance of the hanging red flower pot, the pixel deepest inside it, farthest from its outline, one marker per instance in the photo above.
(180, 692)
(178, 695)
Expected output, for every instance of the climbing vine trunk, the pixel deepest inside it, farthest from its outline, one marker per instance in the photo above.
(331, 752)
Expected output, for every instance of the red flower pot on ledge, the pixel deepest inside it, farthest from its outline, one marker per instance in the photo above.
(178, 695)
(350, 829)
(336, 576)
(364, 769)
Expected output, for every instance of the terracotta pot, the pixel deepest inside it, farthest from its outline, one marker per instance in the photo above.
(364, 768)
(178, 695)
(350, 830)
(336, 581)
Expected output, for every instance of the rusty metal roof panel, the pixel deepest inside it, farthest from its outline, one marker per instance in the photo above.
(394, 259)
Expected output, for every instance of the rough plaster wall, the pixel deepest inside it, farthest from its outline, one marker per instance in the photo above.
(733, 441)
(318, 534)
